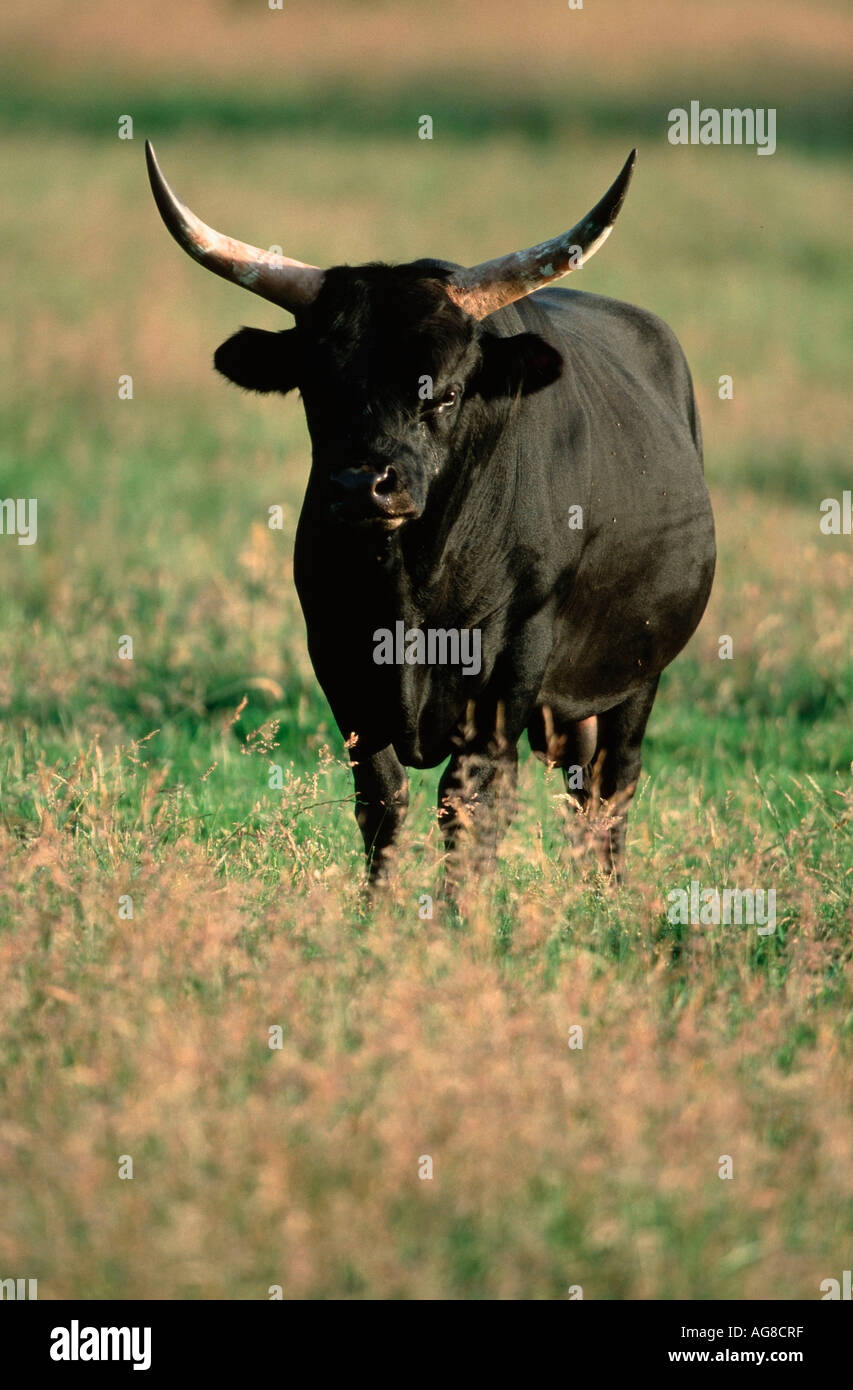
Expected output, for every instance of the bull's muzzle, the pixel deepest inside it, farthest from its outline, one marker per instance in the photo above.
(362, 495)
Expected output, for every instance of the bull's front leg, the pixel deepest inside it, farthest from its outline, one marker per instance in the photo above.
(476, 802)
(381, 802)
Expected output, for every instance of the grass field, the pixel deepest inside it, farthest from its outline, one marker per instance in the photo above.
(298, 1166)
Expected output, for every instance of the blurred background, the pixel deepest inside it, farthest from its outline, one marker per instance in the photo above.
(299, 127)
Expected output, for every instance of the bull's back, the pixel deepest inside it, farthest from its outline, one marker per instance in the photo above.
(625, 344)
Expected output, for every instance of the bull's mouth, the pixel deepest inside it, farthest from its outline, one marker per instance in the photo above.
(376, 521)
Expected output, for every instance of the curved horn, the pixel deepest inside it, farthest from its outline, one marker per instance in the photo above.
(484, 288)
(291, 284)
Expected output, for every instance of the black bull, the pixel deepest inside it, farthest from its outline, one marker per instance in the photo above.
(530, 472)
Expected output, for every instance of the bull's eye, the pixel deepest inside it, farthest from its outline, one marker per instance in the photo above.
(430, 409)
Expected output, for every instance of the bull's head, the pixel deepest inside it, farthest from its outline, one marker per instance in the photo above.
(394, 363)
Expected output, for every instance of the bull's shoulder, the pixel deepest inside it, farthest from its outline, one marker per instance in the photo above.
(579, 316)
(609, 338)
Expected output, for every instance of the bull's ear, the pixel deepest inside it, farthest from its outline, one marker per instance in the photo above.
(525, 362)
(258, 360)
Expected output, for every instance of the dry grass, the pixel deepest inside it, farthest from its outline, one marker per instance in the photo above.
(244, 41)
(447, 1037)
(405, 1038)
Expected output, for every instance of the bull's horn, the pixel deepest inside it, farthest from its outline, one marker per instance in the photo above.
(292, 284)
(484, 288)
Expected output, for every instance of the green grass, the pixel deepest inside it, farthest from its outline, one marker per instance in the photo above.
(462, 109)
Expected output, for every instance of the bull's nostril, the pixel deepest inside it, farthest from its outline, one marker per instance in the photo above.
(385, 484)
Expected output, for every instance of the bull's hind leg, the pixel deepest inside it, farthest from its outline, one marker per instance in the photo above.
(601, 761)
(611, 779)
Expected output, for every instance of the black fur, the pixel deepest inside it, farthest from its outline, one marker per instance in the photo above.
(564, 400)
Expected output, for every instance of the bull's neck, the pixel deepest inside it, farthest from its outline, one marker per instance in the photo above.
(444, 565)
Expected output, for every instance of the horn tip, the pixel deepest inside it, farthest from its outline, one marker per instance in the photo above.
(613, 199)
(151, 159)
